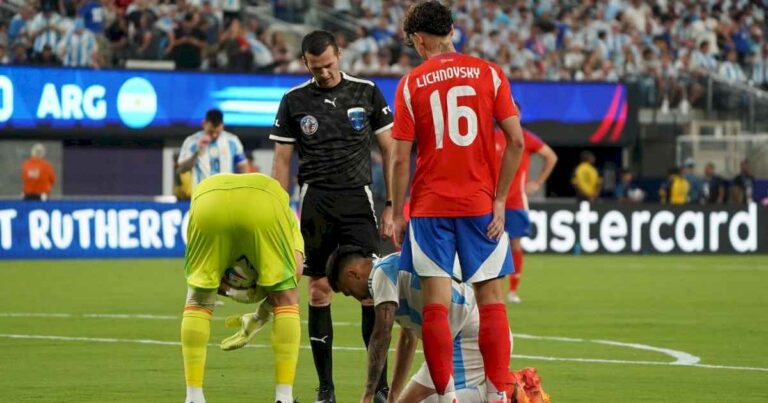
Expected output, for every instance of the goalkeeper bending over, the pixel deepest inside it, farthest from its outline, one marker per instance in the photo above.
(244, 218)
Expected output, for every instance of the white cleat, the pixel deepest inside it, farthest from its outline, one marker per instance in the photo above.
(513, 298)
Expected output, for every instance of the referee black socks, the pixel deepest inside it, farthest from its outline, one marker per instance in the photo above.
(321, 340)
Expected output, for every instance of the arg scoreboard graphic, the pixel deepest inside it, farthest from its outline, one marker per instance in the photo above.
(60, 101)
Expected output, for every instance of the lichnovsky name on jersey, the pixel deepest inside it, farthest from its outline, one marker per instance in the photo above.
(656, 229)
(447, 73)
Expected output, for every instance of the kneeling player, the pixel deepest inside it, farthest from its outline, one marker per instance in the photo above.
(243, 218)
(397, 296)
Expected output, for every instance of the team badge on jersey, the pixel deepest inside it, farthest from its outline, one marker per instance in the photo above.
(357, 117)
(309, 125)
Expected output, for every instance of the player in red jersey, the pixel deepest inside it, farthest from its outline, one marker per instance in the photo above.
(517, 223)
(448, 106)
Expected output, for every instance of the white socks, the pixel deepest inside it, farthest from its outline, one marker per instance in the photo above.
(195, 395)
(284, 394)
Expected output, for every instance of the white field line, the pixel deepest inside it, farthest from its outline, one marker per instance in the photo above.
(681, 357)
(346, 348)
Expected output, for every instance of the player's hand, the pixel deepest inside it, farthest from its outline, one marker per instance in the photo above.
(205, 139)
(496, 226)
(398, 231)
(532, 187)
(386, 224)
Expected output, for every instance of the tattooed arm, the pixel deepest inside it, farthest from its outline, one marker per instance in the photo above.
(378, 347)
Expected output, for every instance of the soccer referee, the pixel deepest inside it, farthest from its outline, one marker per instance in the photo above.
(331, 120)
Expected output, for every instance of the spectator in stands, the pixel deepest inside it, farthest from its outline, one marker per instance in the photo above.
(731, 69)
(138, 8)
(743, 185)
(4, 58)
(210, 23)
(235, 45)
(703, 62)
(3, 33)
(713, 191)
(366, 64)
(46, 28)
(19, 24)
(759, 67)
(586, 180)
(187, 43)
(695, 183)
(626, 190)
(231, 10)
(117, 37)
(675, 189)
(146, 40)
(47, 57)
(94, 15)
(20, 53)
(78, 48)
(282, 52)
(37, 175)
(262, 55)
(402, 66)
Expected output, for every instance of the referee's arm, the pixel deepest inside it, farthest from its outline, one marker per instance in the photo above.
(281, 166)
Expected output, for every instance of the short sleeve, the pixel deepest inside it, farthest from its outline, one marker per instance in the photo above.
(281, 131)
(239, 151)
(403, 128)
(503, 106)
(381, 117)
(188, 148)
(383, 287)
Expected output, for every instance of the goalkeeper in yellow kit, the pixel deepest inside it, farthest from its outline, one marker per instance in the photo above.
(236, 217)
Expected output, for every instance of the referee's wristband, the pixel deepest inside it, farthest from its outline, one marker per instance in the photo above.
(388, 203)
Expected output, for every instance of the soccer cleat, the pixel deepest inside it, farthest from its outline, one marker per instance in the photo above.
(249, 326)
(325, 395)
(513, 298)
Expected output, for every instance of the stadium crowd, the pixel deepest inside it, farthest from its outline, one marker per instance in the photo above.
(666, 46)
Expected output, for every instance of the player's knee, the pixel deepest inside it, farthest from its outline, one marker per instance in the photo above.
(285, 297)
(320, 292)
(201, 298)
(489, 291)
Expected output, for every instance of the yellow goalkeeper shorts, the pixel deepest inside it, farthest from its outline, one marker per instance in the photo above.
(245, 216)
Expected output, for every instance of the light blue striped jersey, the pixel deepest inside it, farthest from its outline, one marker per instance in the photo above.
(220, 156)
(387, 283)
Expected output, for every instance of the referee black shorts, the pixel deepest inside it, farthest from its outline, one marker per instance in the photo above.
(333, 217)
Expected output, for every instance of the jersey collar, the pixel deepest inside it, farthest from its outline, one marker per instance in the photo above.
(341, 82)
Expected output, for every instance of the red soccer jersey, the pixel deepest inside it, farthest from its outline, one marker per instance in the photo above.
(447, 106)
(517, 199)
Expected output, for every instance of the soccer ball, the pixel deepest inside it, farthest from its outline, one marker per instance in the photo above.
(240, 276)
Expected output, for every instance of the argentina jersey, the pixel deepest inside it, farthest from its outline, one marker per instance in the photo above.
(222, 155)
(388, 283)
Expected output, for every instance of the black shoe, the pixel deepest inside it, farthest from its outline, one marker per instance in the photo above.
(325, 395)
(381, 395)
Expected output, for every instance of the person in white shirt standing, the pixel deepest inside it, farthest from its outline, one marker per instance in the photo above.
(212, 150)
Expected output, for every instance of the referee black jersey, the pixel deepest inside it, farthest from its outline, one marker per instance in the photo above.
(332, 129)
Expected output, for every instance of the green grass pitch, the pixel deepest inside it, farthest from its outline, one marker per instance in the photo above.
(108, 331)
